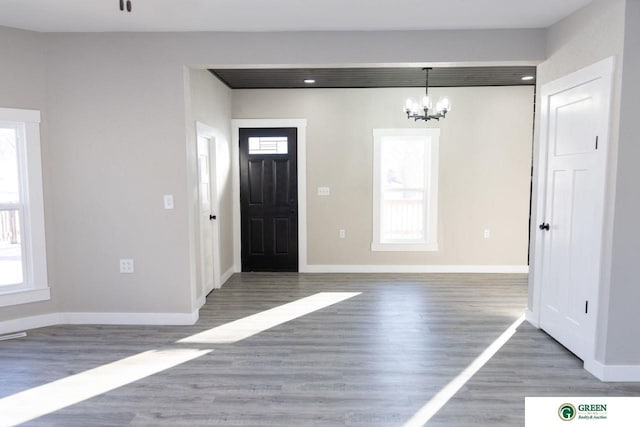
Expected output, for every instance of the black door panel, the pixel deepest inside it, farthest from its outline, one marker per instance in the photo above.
(269, 199)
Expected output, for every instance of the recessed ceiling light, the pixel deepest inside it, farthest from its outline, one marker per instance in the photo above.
(528, 78)
(309, 81)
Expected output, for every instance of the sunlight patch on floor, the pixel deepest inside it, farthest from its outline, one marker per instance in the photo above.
(38, 401)
(443, 396)
(259, 322)
(45, 399)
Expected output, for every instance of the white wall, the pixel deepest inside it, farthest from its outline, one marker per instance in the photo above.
(485, 160)
(209, 102)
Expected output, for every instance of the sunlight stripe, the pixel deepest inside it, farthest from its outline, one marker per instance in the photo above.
(443, 396)
(45, 399)
(259, 322)
(36, 402)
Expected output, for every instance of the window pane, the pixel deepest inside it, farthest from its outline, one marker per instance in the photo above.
(402, 216)
(403, 160)
(9, 187)
(10, 248)
(268, 145)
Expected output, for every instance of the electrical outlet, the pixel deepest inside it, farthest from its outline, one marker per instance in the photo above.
(342, 233)
(126, 266)
(324, 191)
(487, 233)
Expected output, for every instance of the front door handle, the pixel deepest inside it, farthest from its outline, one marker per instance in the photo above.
(544, 226)
(212, 217)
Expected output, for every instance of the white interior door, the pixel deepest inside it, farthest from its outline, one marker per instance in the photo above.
(208, 224)
(576, 129)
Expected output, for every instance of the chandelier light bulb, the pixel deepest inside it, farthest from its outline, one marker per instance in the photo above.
(446, 105)
(426, 103)
(408, 104)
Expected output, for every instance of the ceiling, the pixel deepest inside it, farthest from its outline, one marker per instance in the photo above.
(282, 15)
(373, 77)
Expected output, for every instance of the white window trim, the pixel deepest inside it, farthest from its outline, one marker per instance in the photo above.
(432, 245)
(34, 287)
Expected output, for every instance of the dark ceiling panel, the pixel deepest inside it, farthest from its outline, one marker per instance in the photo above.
(276, 78)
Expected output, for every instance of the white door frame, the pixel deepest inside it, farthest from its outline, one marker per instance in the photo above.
(206, 131)
(600, 70)
(301, 125)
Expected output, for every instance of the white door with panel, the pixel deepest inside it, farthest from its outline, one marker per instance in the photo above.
(575, 123)
(207, 195)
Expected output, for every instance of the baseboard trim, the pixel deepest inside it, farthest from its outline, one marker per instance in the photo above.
(373, 268)
(177, 319)
(226, 276)
(613, 373)
(201, 301)
(75, 318)
(31, 322)
(531, 317)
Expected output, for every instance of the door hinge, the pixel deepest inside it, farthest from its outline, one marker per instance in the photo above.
(596, 142)
(586, 307)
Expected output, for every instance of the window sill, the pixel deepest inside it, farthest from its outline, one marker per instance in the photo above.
(404, 247)
(24, 296)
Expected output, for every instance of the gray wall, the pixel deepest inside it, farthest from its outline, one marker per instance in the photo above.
(593, 33)
(209, 102)
(485, 161)
(115, 141)
(116, 132)
(623, 345)
(22, 85)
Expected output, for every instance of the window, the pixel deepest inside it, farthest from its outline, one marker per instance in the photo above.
(268, 145)
(23, 275)
(405, 189)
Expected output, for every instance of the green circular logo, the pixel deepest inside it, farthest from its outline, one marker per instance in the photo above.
(567, 412)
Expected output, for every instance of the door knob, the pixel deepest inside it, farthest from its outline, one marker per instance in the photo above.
(212, 217)
(544, 226)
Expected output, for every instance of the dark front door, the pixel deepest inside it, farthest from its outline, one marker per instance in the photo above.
(269, 199)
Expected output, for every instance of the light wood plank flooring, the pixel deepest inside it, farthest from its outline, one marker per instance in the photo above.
(372, 360)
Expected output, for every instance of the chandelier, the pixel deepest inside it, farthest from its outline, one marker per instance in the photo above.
(424, 111)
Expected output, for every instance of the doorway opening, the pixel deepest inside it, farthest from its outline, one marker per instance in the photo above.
(269, 180)
(207, 210)
(571, 204)
(269, 199)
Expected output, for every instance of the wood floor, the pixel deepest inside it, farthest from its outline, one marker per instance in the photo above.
(371, 360)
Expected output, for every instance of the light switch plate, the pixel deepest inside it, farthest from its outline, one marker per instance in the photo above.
(487, 233)
(324, 191)
(168, 201)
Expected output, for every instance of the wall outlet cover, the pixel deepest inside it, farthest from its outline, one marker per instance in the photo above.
(324, 191)
(126, 266)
